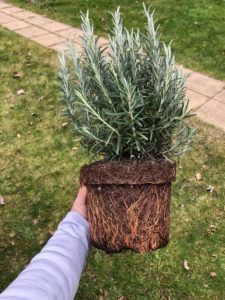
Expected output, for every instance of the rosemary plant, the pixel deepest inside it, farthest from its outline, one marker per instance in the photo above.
(127, 100)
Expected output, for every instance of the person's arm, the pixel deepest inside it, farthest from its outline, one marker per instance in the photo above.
(54, 273)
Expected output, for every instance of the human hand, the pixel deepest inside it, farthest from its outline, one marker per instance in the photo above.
(80, 203)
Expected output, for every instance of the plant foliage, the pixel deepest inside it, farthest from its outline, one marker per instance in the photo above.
(127, 100)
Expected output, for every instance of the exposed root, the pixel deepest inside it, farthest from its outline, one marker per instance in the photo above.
(128, 216)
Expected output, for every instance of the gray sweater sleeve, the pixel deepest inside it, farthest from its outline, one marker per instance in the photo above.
(54, 273)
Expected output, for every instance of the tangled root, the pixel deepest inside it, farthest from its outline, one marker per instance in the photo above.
(129, 204)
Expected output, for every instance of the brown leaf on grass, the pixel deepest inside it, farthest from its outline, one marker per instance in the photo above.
(213, 274)
(35, 221)
(20, 92)
(210, 188)
(122, 298)
(2, 201)
(27, 61)
(198, 176)
(16, 75)
(65, 124)
(212, 229)
(186, 265)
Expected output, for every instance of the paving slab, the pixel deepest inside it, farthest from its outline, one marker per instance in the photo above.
(49, 39)
(31, 32)
(102, 42)
(220, 97)
(213, 112)
(11, 9)
(59, 47)
(16, 25)
(4, 5)
(38, 20)
(204, 85)
(63, 46)
(196, 100)
(4, 18)
(73, 33)
(24, 14)
(54, 26)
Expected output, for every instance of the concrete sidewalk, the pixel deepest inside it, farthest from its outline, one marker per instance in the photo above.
(207, 95)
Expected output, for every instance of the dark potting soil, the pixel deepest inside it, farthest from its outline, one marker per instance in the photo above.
(128, 172)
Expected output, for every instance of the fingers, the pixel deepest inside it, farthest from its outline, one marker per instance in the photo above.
(79, 204)
(82, 195)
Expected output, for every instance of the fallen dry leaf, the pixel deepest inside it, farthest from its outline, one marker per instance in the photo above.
(64, 124)
(213, 274)
(35, 221)
(2, 201)
(186, 265)
(198, 176)
(18, 135)
(122, 298)
(16, 75)
(210, 189)
(20, 92)
(212, 229)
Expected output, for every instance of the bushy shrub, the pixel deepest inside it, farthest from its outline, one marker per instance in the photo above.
(126, 101)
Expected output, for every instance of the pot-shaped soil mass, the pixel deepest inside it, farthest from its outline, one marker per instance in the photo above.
(129, 203)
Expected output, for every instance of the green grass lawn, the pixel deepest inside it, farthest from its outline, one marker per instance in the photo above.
(39, 168)
(197, 27)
